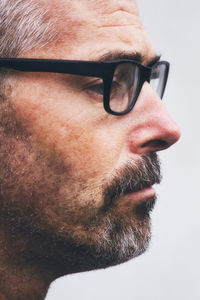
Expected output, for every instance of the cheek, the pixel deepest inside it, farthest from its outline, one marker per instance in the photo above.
(79, 134)
(87, 151)
(79, 142)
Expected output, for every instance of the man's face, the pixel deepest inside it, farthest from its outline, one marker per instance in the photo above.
(73, 174)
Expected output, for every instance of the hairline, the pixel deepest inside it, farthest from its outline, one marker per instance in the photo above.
(25, 26)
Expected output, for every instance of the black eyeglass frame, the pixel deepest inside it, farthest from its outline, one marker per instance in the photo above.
(104, 70)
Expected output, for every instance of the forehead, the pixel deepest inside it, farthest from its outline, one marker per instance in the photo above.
(91, 28)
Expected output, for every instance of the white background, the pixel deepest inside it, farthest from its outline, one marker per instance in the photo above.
(170, 269)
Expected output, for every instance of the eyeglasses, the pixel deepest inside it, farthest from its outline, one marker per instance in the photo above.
(116, 83)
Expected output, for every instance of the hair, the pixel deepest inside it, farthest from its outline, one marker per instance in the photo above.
(24, 25)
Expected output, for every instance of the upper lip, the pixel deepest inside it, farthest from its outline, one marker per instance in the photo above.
(139, 186)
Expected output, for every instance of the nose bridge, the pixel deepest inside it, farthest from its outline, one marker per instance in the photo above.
(152, 127)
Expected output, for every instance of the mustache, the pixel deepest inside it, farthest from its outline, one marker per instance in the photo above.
(133, 177)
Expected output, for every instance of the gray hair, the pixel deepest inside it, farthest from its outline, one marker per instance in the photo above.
(24, 25)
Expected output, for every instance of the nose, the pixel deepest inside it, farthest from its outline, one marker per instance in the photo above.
(152, 127)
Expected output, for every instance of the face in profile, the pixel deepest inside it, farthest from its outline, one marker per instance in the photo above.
(76, 181)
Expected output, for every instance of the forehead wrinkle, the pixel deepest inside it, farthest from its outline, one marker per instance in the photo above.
(123, 17)
(108, 6)
(98, 13)
(128, 6)
(77, 18)
(81, 16)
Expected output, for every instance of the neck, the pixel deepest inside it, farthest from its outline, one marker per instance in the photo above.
(21, 277)
(22, 283)
(31, 260)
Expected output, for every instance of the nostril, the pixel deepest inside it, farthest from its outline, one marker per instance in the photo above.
(156, 145)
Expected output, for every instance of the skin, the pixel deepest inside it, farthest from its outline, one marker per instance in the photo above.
(60, 150)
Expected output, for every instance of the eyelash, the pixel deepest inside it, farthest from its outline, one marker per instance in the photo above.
(97, 88)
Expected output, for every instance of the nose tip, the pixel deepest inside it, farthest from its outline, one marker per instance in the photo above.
(154, 129)
(162, 138)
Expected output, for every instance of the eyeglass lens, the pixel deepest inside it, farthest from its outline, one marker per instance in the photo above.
(125, 84)
(158, 78)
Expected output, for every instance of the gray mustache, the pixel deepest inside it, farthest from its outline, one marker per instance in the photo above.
(133, 178)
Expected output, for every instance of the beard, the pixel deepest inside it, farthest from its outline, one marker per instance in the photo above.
(52, 218)
(125, 235)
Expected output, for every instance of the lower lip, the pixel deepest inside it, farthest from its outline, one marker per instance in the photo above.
(127, 201)
(143, 194)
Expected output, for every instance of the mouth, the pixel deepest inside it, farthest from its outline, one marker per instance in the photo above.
(138, 196)
(141, 202)
(134, 185)
(143, 194)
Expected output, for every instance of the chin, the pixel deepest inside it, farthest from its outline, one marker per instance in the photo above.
(106, 243)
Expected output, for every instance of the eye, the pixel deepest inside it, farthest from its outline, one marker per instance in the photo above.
(97, 88)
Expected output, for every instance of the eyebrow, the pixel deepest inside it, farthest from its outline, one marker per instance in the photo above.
(136, 56)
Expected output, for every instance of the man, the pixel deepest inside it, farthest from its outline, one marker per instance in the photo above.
(80, 125)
